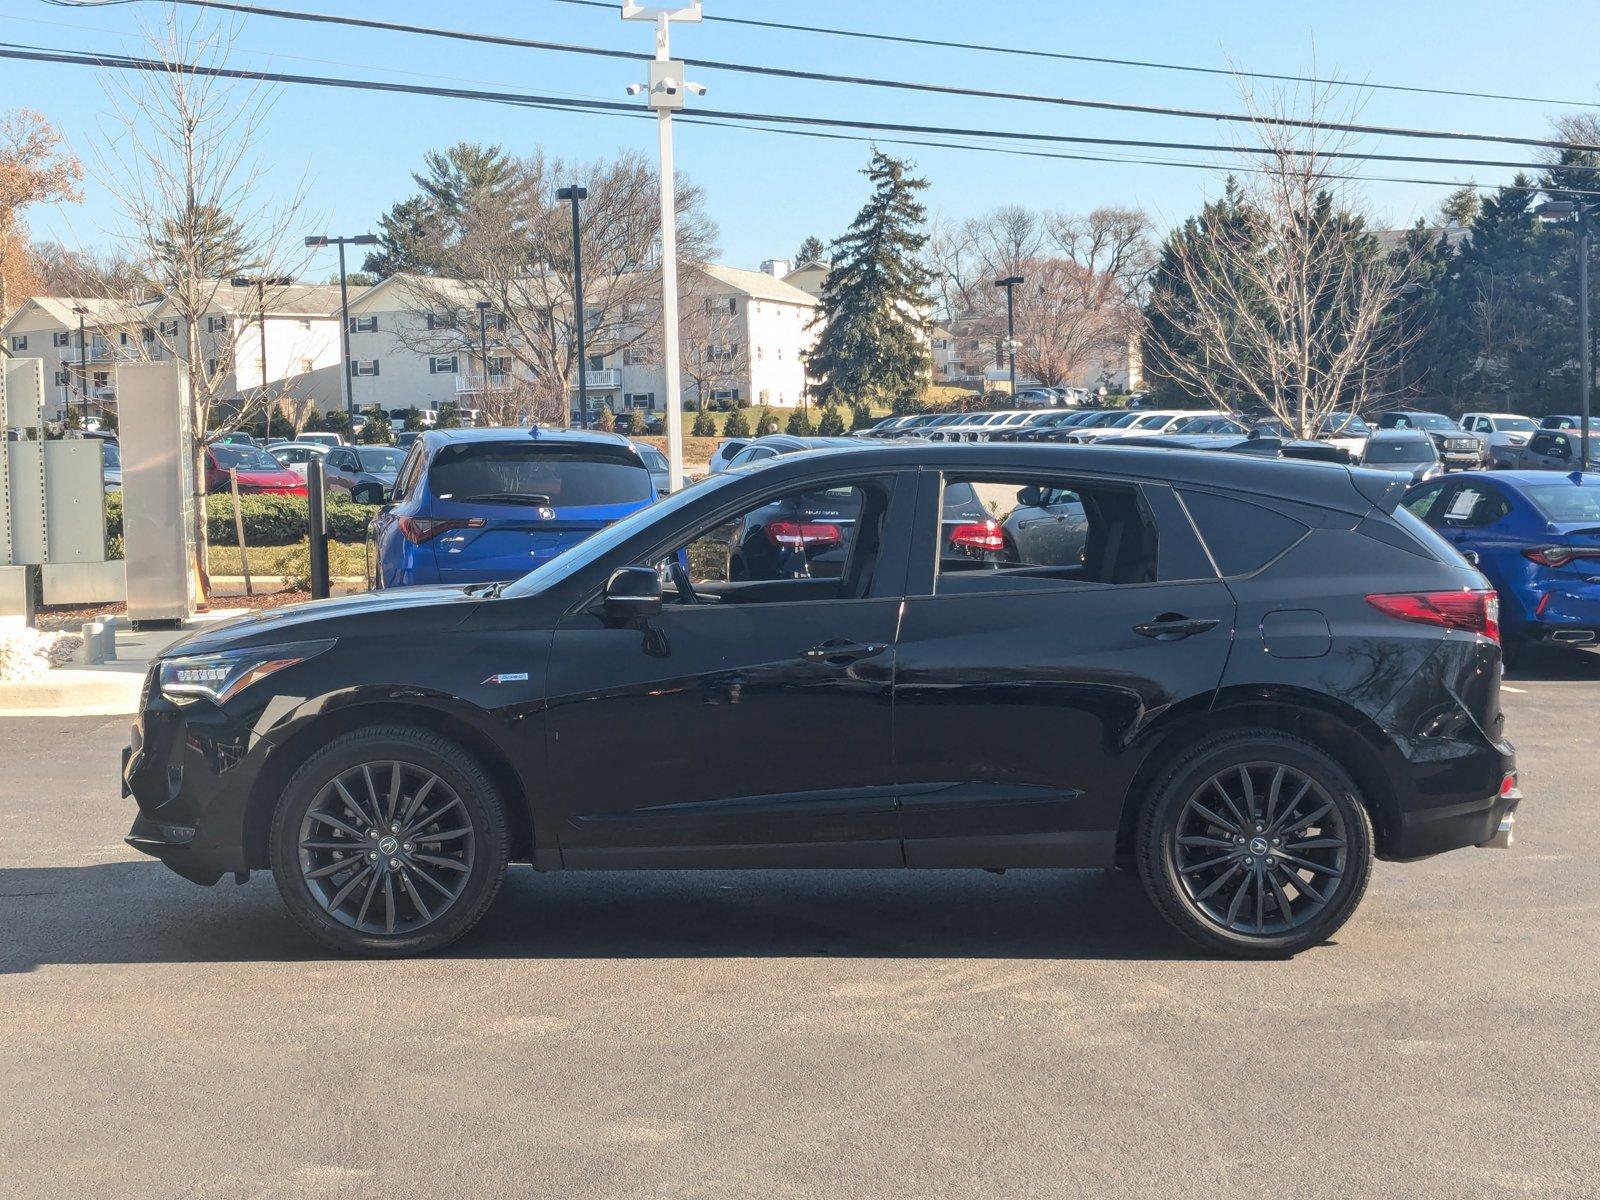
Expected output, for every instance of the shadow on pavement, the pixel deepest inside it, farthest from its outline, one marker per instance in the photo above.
(134, 912)
(1555, 664)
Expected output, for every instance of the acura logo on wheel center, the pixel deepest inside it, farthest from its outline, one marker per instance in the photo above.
(388, 845)
(1257, 846)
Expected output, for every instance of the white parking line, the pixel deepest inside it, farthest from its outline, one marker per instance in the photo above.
(1518, 691)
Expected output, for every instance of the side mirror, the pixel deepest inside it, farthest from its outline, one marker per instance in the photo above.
(1031, 496)
(633, 594)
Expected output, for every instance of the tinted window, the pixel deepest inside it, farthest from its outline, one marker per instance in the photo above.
(243, 458)
(1472, 506)
(1011, 535)
(1421, 503)
(410, 472)
(1387, 450)
(1241, 536)
(513, 471)
(110, 455)
(1564, 501)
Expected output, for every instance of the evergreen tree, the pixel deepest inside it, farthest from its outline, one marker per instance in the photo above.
(403, 236)
(811, 250)
(203, 243)
(763, 422)
(1460, 206)
(606, 422)
(875, 332)
(464, 176)
(704, 425)
(337, 420)
(832, 422)
(377, 430)
(861, 416)
(800, 423)
(736, 426)
(414, 420)
(449, 416)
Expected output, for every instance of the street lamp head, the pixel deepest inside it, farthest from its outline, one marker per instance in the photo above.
(364, 239)
(1008, 281)
(317, 241)
(484, 306)
(572, 193)
(1556, 210)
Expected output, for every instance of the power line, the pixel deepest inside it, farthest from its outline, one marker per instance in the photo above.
(1062, 56)
(128, 62)
(861, 80)
(756, 121)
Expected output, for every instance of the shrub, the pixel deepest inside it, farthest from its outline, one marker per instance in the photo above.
(377, 429)
(736, 426)
(268, 520)
(762, 422)
(606, 422)
(861, 416)
(832, 423)
(800, 423)
(704, 425)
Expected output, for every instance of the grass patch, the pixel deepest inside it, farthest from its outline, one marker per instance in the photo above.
(276, 563)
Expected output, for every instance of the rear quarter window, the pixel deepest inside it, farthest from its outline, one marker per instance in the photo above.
(571, 477)
(1242, 537)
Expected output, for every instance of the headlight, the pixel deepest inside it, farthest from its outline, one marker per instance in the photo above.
(220, 677)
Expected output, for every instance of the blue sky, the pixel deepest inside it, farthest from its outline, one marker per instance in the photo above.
(767, 192)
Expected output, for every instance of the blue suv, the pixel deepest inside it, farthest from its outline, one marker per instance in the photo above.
(1536, 536)
(489, 505)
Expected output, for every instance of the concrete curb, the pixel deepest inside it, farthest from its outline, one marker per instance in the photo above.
(108, 691)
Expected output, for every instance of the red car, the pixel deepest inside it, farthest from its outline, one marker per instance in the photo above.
(259, 472)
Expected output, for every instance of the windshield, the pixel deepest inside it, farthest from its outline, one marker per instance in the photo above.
(243, 458)
(380, 458)
(1155, 421)
(1564, 501)
(1514, 424)
(1345, 423)
(1383, 450)
(518, 472)
(1122, 422)
(570, 562)
(654, 459)
(1418, 421)
(111, 455)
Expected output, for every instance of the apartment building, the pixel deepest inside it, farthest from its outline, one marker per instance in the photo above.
(81, 341)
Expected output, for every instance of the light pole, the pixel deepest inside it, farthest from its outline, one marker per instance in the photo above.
(1564, 212)
(317, 242)
(483, 307)
(1010, 283)
(261, 283)
(574, 195)
(666, 88)
(83, 360)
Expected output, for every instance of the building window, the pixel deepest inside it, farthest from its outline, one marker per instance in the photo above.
(765, 396)
(780, 353)
(19, 341)
(63, 378)
(435, 321)
(442, 364)
(146, 334)
(597, 362)
(307, 366)
(102, 380)
(169, 329)
(639, 400)
(363, 324)
(363, 366)
(723, 353)
(635, 356)
(61, 339)
(761, 353)
(731, 394)
(500, 366)
(216, 324)
(717, 304)
(211, 366)
(122, 337)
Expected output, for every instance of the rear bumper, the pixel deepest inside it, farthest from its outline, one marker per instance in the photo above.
(1487, 823)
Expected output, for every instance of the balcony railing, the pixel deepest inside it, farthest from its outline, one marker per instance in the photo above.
(604, 380)
(471, 383)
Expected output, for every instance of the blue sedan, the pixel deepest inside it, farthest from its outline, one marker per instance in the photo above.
(489, 505)
(1536, 536)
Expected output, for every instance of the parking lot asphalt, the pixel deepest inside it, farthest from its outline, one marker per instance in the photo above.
(839, 1034)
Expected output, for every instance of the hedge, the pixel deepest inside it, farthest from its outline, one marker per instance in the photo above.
(268, 520)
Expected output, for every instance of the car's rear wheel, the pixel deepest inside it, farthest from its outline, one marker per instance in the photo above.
(389, 841)
(1257, 845)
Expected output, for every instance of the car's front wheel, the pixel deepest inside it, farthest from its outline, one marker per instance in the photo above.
(389, 841)
(1256, 845)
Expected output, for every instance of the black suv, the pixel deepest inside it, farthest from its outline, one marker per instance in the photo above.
(1457, 447)
(1241, 676)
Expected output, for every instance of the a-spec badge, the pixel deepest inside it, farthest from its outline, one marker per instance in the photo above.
(506, 677)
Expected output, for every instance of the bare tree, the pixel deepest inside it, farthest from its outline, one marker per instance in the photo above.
(196, 207)
(1286, 305)
(715, 356)
(34, 169)
(512, 249)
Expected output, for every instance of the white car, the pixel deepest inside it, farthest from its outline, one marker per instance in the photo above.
(1143, 424)
(1346, 431)
(1505, 433)
(322, 439)
(725, 452)
(293, 456)
(976, 427)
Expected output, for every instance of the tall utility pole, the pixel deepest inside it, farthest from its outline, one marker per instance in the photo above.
(666, 90)
(317, 242)
(1010, 283)
(261, 283)
(574, 194)
(83, 360)
(483, 350)
(1562, 212)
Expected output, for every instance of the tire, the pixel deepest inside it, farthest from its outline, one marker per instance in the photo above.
(1233, 899)
(321, 852)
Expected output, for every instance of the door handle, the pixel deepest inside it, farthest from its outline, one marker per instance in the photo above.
(840, 653)
(1172, 628)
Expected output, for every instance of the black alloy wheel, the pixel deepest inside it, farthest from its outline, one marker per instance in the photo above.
(1258, 845)
(389, 841)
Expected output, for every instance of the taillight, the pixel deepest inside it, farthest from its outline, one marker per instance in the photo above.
(978, 537)
(803, 533)
(1559, 556)
(417, 530)
(1471, 611)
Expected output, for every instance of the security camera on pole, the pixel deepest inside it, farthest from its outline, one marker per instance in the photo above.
(665, 95)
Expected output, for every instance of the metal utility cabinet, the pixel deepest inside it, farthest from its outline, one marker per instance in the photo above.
(157, 493)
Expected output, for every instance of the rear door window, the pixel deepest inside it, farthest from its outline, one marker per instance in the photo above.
(1472, 506)
(1242, 537)
(528, 473)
